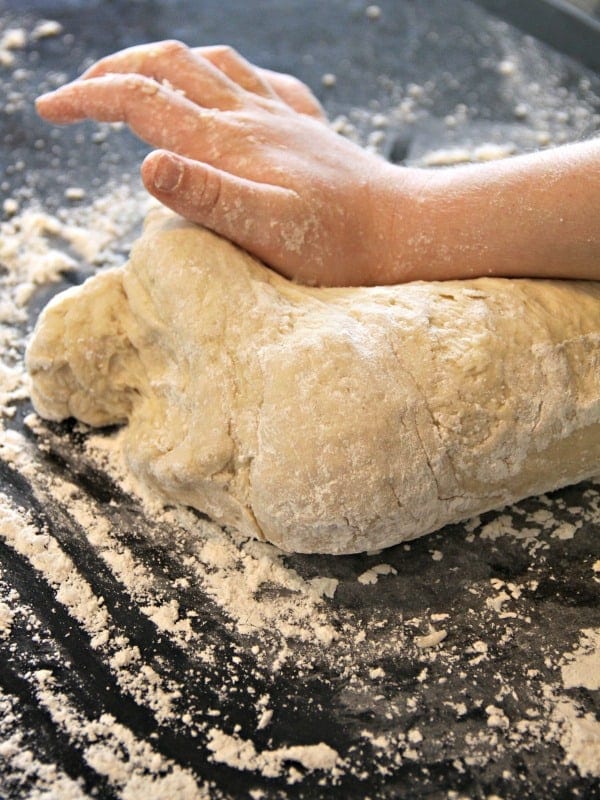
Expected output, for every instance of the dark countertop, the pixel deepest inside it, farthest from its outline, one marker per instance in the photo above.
(490, 711)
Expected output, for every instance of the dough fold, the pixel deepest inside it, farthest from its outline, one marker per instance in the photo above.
(325, 420)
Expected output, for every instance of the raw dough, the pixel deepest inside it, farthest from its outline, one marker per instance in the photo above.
(325, 420)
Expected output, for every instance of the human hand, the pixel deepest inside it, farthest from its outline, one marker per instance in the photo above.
(244, 152)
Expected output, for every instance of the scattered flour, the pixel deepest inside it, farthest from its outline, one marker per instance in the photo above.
(6, 618)
(371, 575)
(579, 737)
(432, 639)
(582, 666)
(242, 754)
(462, 155)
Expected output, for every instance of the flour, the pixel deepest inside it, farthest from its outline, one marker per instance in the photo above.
(371, 576)
(6, 618)
(462, 155)
(241, 754)
(33, 252)
(74, 592)
(582, 666)
(48, 781)
(219, 560)
(46, 28)
(116, 754)
(432, 639)
(10, 40)
(579, 736)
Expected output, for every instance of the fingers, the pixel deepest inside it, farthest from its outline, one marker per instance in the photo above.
(263, 82)
(295, 93)
(238, 209)
(161, 76)
(235, 67)
(201, 81)
(158, 115)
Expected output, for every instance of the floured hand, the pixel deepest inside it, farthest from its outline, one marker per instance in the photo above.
(244, 152)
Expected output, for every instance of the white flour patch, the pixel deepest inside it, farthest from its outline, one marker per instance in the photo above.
(582, 666)
(241, 754)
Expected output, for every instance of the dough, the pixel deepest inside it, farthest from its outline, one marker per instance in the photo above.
(325, 420)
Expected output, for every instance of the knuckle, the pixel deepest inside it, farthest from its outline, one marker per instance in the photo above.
(227, 55)
(226, 50)
(208, 191)
(172, 48)
(287, 79)
(140, 83)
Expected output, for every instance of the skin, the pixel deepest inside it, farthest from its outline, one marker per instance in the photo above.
(247, 153)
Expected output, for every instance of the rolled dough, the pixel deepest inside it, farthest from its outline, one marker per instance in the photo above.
(325, 420)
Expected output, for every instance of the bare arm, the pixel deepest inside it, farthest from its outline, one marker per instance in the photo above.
(535, 215)
(245, 152)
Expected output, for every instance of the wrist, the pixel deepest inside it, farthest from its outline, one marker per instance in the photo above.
(406, 200)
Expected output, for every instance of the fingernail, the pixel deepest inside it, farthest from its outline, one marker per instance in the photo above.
(168, 173)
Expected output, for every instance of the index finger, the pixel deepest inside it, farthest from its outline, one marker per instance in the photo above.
(160, 116)
(171, 61)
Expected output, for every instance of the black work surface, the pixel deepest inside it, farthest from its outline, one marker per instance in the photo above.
(485, 713)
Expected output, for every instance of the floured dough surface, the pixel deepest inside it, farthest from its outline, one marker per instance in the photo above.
(325, 420)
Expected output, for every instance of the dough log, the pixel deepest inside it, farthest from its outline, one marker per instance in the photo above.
(325, 420)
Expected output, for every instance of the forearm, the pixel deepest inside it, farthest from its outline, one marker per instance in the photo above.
(535, 215)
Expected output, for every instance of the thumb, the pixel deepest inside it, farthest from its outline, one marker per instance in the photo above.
(236, 208)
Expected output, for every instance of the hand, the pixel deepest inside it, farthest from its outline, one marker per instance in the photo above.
(245, 152)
